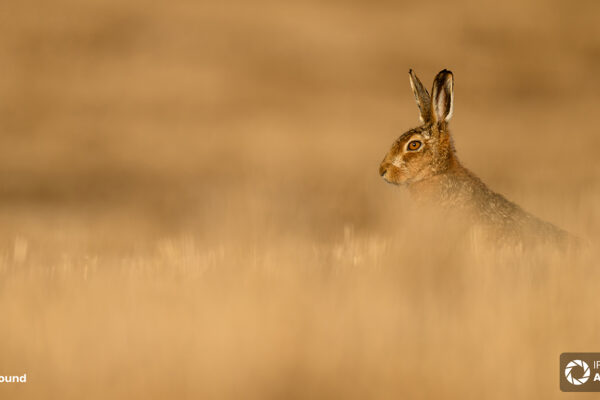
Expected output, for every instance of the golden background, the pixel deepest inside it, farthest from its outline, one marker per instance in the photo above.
(190, 205)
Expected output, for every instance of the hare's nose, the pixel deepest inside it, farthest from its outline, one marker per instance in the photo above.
(383, 169)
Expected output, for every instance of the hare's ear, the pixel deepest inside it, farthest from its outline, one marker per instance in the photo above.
(442, 96)
(421, 96)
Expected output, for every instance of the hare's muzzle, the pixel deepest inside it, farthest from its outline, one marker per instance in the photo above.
(390, 173)
(383, 168)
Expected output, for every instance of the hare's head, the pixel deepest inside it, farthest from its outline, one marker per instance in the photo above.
(427, 150)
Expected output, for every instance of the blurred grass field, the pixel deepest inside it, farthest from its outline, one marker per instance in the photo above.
(190, 205)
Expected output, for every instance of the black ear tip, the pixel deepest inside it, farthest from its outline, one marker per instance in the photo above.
(444, 76)
(410, 71)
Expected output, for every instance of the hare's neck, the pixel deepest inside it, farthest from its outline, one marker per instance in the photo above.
(455, 187)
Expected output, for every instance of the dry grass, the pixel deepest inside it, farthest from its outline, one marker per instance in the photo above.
(190, 205)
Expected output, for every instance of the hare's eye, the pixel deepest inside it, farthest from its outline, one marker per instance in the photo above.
(414, 145)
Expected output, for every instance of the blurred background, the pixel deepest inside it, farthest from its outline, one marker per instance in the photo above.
(190, 204)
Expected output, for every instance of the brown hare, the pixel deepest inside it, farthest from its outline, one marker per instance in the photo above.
(424, 160)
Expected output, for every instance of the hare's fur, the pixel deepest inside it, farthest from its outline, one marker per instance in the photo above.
(424, 160)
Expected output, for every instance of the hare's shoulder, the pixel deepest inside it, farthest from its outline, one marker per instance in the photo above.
(510, 222)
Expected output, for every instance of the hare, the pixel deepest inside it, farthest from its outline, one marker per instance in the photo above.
(424, 160)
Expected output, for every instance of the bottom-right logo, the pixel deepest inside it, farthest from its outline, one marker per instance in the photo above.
(576, 374)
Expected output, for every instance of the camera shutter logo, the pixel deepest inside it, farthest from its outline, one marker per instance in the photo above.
(586, 372)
